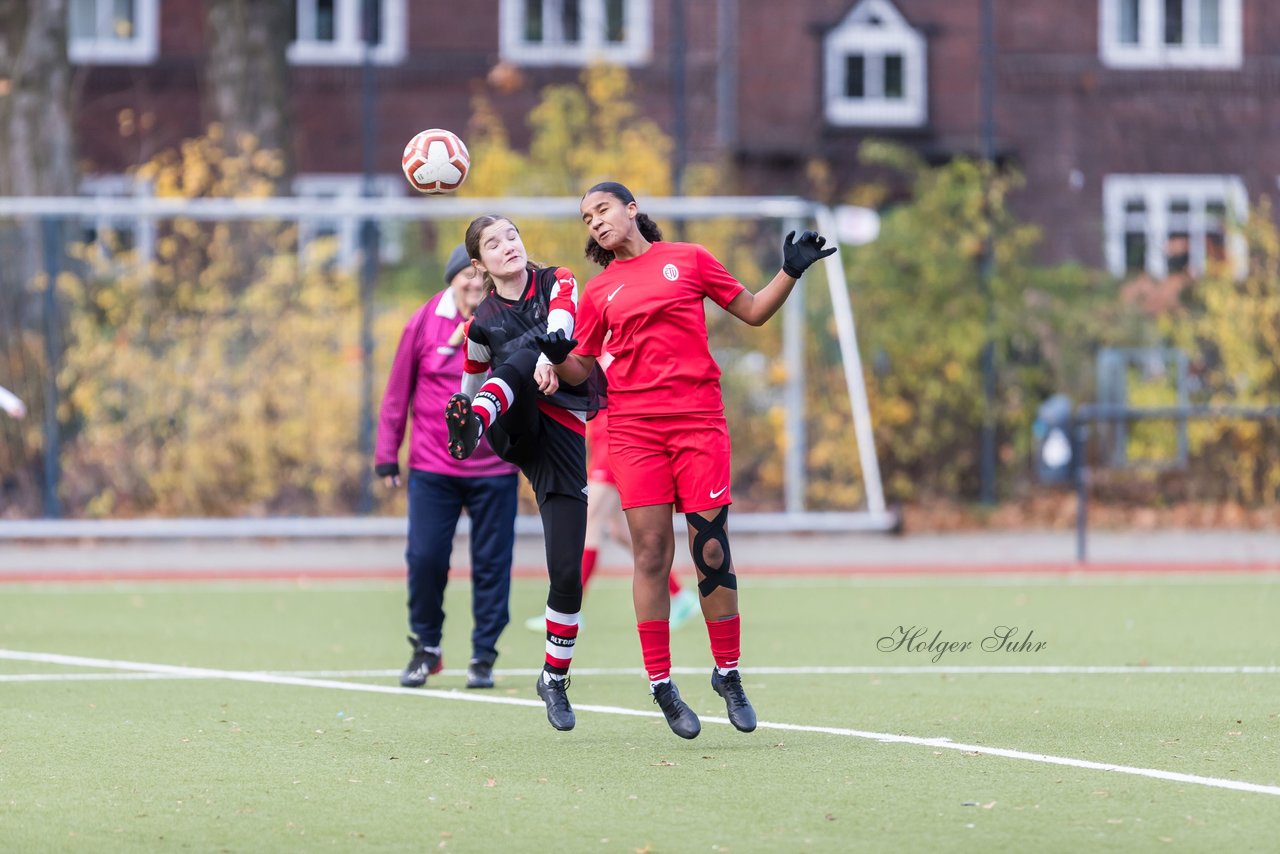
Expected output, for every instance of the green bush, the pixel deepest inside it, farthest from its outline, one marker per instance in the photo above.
(925, 315)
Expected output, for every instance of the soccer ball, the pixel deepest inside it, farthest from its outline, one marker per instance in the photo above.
(436, 161)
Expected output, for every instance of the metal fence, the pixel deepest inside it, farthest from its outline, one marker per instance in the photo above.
(1085, 416)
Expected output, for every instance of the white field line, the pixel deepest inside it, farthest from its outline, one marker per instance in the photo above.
(979, 670)
(942, 743)
(92, 677)
(958, 670)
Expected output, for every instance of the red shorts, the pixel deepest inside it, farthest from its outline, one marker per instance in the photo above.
(598, 470)
(671, 459)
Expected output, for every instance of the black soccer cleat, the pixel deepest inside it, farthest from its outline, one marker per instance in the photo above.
(480, 674)
(554, 692)
(464, 426)
(680, 717)
(422, 665)
(729, 686)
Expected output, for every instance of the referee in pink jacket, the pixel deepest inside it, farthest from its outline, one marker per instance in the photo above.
(426, 372)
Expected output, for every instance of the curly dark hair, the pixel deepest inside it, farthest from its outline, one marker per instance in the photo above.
(648, 228)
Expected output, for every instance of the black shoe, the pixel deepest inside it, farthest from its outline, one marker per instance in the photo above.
(464, 426)
(680, 717)
(729, 686)
(422, 665)
(480, 674)
(554, 692)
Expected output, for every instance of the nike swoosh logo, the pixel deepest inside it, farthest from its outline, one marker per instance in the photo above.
(719, 492)
(615, 291)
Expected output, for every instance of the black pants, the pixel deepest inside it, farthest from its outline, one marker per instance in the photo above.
(554, 459)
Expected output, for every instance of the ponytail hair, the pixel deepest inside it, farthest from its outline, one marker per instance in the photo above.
(648, 228)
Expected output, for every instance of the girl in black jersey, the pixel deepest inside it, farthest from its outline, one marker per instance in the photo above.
(532, 420)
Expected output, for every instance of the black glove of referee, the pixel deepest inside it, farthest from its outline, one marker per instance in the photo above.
(799, 255)
(556, 346)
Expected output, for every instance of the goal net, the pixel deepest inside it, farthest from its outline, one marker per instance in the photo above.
(224, 359)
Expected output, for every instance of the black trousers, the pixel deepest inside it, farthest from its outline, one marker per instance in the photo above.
(554, 460)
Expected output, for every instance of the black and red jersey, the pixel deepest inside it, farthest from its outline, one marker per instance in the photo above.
(501, 327)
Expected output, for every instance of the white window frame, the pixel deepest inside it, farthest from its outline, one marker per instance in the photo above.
(347, 47)
(857, 34)
(108, 186)
(1156, 191)
(1152, 52)
(334, 188)
(140, 48)
(634, 50)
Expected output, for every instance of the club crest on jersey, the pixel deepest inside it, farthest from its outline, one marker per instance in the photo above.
(671, 272)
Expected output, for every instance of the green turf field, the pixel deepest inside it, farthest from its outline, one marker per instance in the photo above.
(215, 756)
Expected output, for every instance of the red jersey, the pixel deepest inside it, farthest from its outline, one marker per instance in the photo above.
(652, 308)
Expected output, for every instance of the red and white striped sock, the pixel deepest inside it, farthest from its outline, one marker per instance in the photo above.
(655, 646)
(726, 642)
(562, 636)
(493, 398)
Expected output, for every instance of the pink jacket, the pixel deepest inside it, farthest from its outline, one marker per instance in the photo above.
(425, 373)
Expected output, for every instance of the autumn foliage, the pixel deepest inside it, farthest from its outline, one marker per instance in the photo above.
(220, 373)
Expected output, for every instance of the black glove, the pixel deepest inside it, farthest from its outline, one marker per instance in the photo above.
(387, 469)
(798, 256)
(555, 346)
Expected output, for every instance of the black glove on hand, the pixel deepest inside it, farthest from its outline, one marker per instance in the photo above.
(556, 346)
(798, 256)
(387, 469)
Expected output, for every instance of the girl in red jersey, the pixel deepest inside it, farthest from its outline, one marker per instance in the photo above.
(532, 420)
(669, 442)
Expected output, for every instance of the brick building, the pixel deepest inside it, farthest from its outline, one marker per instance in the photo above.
(1141, 126)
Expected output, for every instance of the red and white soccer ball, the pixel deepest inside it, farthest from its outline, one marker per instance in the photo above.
(436, 161)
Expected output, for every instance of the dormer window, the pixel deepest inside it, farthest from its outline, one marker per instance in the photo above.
(875, 69)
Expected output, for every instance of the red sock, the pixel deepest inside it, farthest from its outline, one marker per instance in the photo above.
(588, 564)
(655, 646)
(726, 641)
(673, 584)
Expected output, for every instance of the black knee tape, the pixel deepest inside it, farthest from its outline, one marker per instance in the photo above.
(707, 530)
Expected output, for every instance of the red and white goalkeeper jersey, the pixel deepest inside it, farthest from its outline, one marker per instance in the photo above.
(652, 307)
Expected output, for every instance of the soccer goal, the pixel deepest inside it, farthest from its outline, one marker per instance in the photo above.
(737, 229)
